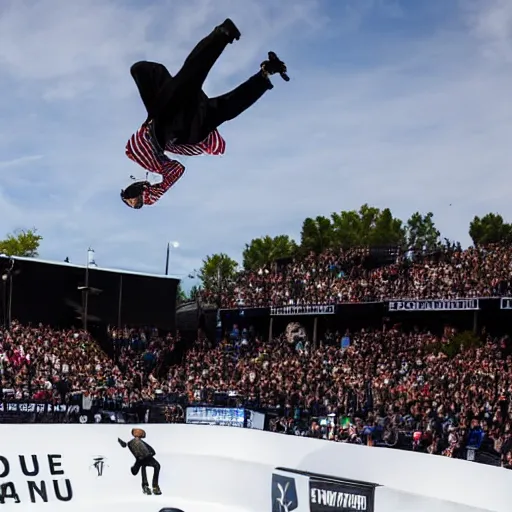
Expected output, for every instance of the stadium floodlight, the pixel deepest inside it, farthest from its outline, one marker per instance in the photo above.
(170, 244)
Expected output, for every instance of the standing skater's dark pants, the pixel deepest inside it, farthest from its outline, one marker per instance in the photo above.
(148, 462)
(180, 110)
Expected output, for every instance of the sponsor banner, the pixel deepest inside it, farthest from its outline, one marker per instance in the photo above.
(255, 420)
(284, 493)
(434, 305)
(44, 478)
(35, 407)
(223, 416)
(506, 303)
(312, 309)
(329, 496)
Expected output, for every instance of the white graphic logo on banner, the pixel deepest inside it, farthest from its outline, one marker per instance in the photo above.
(435, 305)
(506, 303)
(320, 309)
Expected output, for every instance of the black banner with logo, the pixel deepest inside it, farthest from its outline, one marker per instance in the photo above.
(284, 493)
(312, 309)
(434, 305)
(330, 496)
(19, 407)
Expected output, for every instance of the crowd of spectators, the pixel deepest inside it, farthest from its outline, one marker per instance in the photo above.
(345, 276)
(382, 383)
(37, 362)
(58, 366)
(144, 355)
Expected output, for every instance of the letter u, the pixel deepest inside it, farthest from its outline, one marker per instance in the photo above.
(69, 490)
(24, 468)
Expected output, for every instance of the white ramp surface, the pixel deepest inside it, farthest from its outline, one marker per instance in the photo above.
(222, 469)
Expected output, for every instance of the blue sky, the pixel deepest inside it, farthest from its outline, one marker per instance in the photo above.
(396, 103)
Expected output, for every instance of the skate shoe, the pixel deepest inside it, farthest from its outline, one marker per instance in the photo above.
(229, 29)
(273, 65)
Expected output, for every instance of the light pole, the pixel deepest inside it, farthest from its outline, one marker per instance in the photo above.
(7, 301)
(174, 245)
(4, 300)
(85, 289)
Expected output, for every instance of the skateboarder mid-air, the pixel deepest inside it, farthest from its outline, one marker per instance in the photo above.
(181, 118)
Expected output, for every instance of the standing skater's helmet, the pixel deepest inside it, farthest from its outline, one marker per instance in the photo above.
(138, 432)
(133, 195)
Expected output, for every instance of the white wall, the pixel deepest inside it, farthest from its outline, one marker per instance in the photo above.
(207, 468)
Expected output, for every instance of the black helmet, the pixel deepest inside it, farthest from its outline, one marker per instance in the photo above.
(134, 191)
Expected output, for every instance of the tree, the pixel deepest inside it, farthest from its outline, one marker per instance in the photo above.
(21, 243)
(194, 292)
(369, 226)
(181, 296)
(490, 229)
(216, 271)
(347, 229)
(265, 250)
(422, 232)
(386, 230)
(316, 235)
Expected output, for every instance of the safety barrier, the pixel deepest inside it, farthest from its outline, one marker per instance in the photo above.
(206, 468)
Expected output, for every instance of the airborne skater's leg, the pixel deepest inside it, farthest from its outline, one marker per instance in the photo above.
(181, 98)
(165, 96)
(201, 59)
(230, 105)
(150, 77)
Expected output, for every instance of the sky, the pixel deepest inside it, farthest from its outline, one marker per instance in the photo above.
(395, 103)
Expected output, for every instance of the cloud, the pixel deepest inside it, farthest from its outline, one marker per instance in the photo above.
(19, 161)
(387, 105)
(491, 23)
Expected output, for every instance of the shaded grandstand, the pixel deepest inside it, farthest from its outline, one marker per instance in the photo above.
(58, 294)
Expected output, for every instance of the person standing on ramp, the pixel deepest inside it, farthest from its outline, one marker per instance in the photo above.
(144, 457)
(181, 118)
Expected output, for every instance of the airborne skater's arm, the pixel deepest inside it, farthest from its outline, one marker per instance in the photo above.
(171, 172)
(142, 150)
